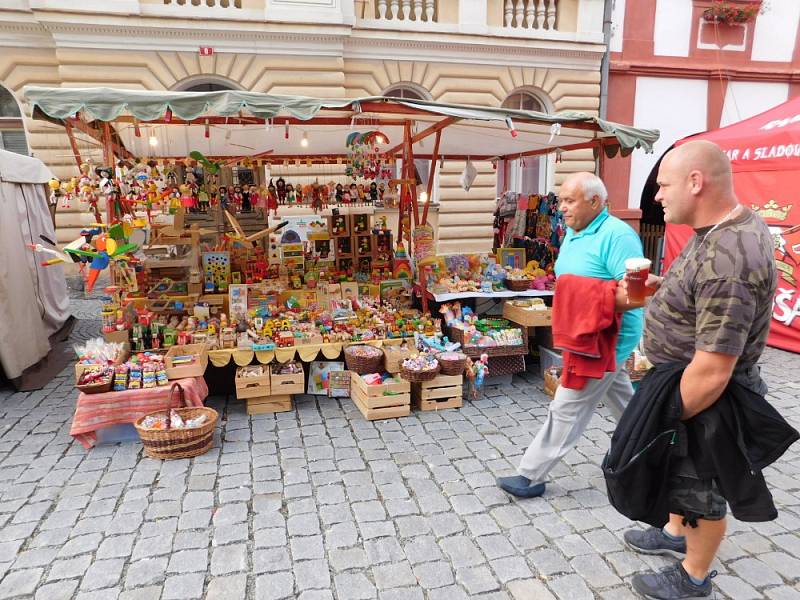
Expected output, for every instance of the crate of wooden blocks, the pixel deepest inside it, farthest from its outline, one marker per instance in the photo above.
(252, 381)
(288, 378)
(381, 400)
(444, 391)
(269, 404)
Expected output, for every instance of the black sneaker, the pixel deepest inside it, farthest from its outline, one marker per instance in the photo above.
(654, 541)
(672, 583)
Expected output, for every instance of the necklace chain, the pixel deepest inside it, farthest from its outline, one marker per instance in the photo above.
(710, 231)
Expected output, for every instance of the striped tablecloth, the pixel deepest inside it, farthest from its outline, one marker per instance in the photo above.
(95, 411)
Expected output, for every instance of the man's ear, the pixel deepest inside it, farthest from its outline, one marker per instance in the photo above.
(696, 181)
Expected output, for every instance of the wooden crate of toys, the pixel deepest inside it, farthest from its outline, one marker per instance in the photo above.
(269, 404)
(444, 391)
(379, 397)
(252, 381)
(189, 360)
(288, 378)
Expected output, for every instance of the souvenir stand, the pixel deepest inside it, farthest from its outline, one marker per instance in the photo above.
(327, 273)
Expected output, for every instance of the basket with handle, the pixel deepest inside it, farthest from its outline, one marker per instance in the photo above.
(363, 359)
(178, 443)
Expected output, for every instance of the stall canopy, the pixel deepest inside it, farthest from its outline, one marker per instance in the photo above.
(231, 123)
(33, 299)
(765, 157)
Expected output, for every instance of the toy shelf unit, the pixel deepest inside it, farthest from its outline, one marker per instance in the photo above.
(339, 226)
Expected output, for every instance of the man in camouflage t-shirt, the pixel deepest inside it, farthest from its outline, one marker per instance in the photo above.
(712, 311)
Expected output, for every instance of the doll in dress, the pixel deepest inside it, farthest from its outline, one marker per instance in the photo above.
(247, 205)
(280, 189)
(272, 199)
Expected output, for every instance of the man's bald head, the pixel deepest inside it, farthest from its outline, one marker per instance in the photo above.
(695, 184)
(706, 158)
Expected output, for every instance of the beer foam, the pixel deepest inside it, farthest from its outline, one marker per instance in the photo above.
(637, 264)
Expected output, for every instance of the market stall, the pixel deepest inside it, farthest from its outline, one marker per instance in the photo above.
(324, 275)
(765, 156)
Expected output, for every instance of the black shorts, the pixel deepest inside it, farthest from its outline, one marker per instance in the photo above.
(695, 498)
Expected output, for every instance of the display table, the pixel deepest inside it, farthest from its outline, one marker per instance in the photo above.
(448, 296)
(95, 411)
(305, 352)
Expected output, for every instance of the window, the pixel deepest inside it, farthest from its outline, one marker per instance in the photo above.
(526, 175)
(407, 91)
(12, 129)
(208, 87)
(524, 101)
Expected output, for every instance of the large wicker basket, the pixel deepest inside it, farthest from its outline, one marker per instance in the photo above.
(363, 365)
(419, 376)
(178, 443)
(452, 366)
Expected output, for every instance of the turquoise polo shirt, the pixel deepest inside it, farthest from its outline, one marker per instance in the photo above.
(600, 250)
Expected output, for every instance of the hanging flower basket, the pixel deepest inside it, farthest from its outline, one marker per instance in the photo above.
(728, 13)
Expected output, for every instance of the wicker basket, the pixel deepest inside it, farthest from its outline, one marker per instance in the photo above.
(178, 443)
(363, 365)
(457, 335)
(419, 376)
(452, 366)
(518, 285)
(97, 387)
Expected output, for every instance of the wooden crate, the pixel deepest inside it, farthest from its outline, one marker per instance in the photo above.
(252, 387)
(526, 317)
(444, 391)
(269, 404)
(374, 403)
(293, 383)
(382, 395)
(386, 412)
(195, 369)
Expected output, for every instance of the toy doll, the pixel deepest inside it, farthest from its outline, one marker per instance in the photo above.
(339, 193)
(247, 205)
(353, 193)
(202, 198)
(256, 200)
(373, 193)
(223, 197)
(291, 196)
(236, 198)
(272, 199)
(280, 188)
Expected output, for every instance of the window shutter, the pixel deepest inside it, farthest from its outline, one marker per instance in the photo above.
(14, 141)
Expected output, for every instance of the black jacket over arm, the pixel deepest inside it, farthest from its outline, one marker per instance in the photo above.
(731, 442)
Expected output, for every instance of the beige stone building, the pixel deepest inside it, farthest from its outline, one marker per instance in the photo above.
(541, 54)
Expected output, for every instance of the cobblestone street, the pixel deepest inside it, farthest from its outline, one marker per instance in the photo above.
(319, 503)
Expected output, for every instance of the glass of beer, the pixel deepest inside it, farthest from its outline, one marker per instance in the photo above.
(637, 270)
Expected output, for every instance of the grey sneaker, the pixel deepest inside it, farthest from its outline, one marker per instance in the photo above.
(653, 541)
(672, 583)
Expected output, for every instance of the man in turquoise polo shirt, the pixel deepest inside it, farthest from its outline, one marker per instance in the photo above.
(596, 245)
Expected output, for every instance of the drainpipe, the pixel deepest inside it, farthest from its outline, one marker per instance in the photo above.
(607, 7)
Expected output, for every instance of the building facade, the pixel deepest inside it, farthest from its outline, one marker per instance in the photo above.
(539, 53)
(673, 70)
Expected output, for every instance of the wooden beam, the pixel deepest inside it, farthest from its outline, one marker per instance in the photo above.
(276, 121)
(431, 176)
(74, 144)
(97, 135)
(435, 128)
(596, 143)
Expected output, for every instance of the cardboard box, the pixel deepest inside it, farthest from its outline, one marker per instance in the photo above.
(120, 337)
(292, 383)
(193, 369)
(121, 358)
(528, 317)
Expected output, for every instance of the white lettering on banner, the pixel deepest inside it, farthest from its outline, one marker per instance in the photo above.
(781, 122)
(783, 311)
(784, 151)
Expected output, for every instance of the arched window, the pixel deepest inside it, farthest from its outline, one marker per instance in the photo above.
(527, 175)
(12, 129)
(208, 87)
(206, 83)
(524, 100)
(407, 91)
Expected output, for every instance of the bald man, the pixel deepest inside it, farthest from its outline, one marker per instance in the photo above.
(711, 312)
(596, 245)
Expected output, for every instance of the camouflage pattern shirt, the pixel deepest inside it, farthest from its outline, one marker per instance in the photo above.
(717, 295)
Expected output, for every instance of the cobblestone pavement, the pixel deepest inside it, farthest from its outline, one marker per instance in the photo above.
(318, 503)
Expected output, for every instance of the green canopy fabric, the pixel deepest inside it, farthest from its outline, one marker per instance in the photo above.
(106, 104)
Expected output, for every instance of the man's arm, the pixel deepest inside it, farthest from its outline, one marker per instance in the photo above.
(621, 300)
(704, 380)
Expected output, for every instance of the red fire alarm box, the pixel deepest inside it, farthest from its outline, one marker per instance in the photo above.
(206, 51)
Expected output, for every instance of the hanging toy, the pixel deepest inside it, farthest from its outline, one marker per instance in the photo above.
(476, 373)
